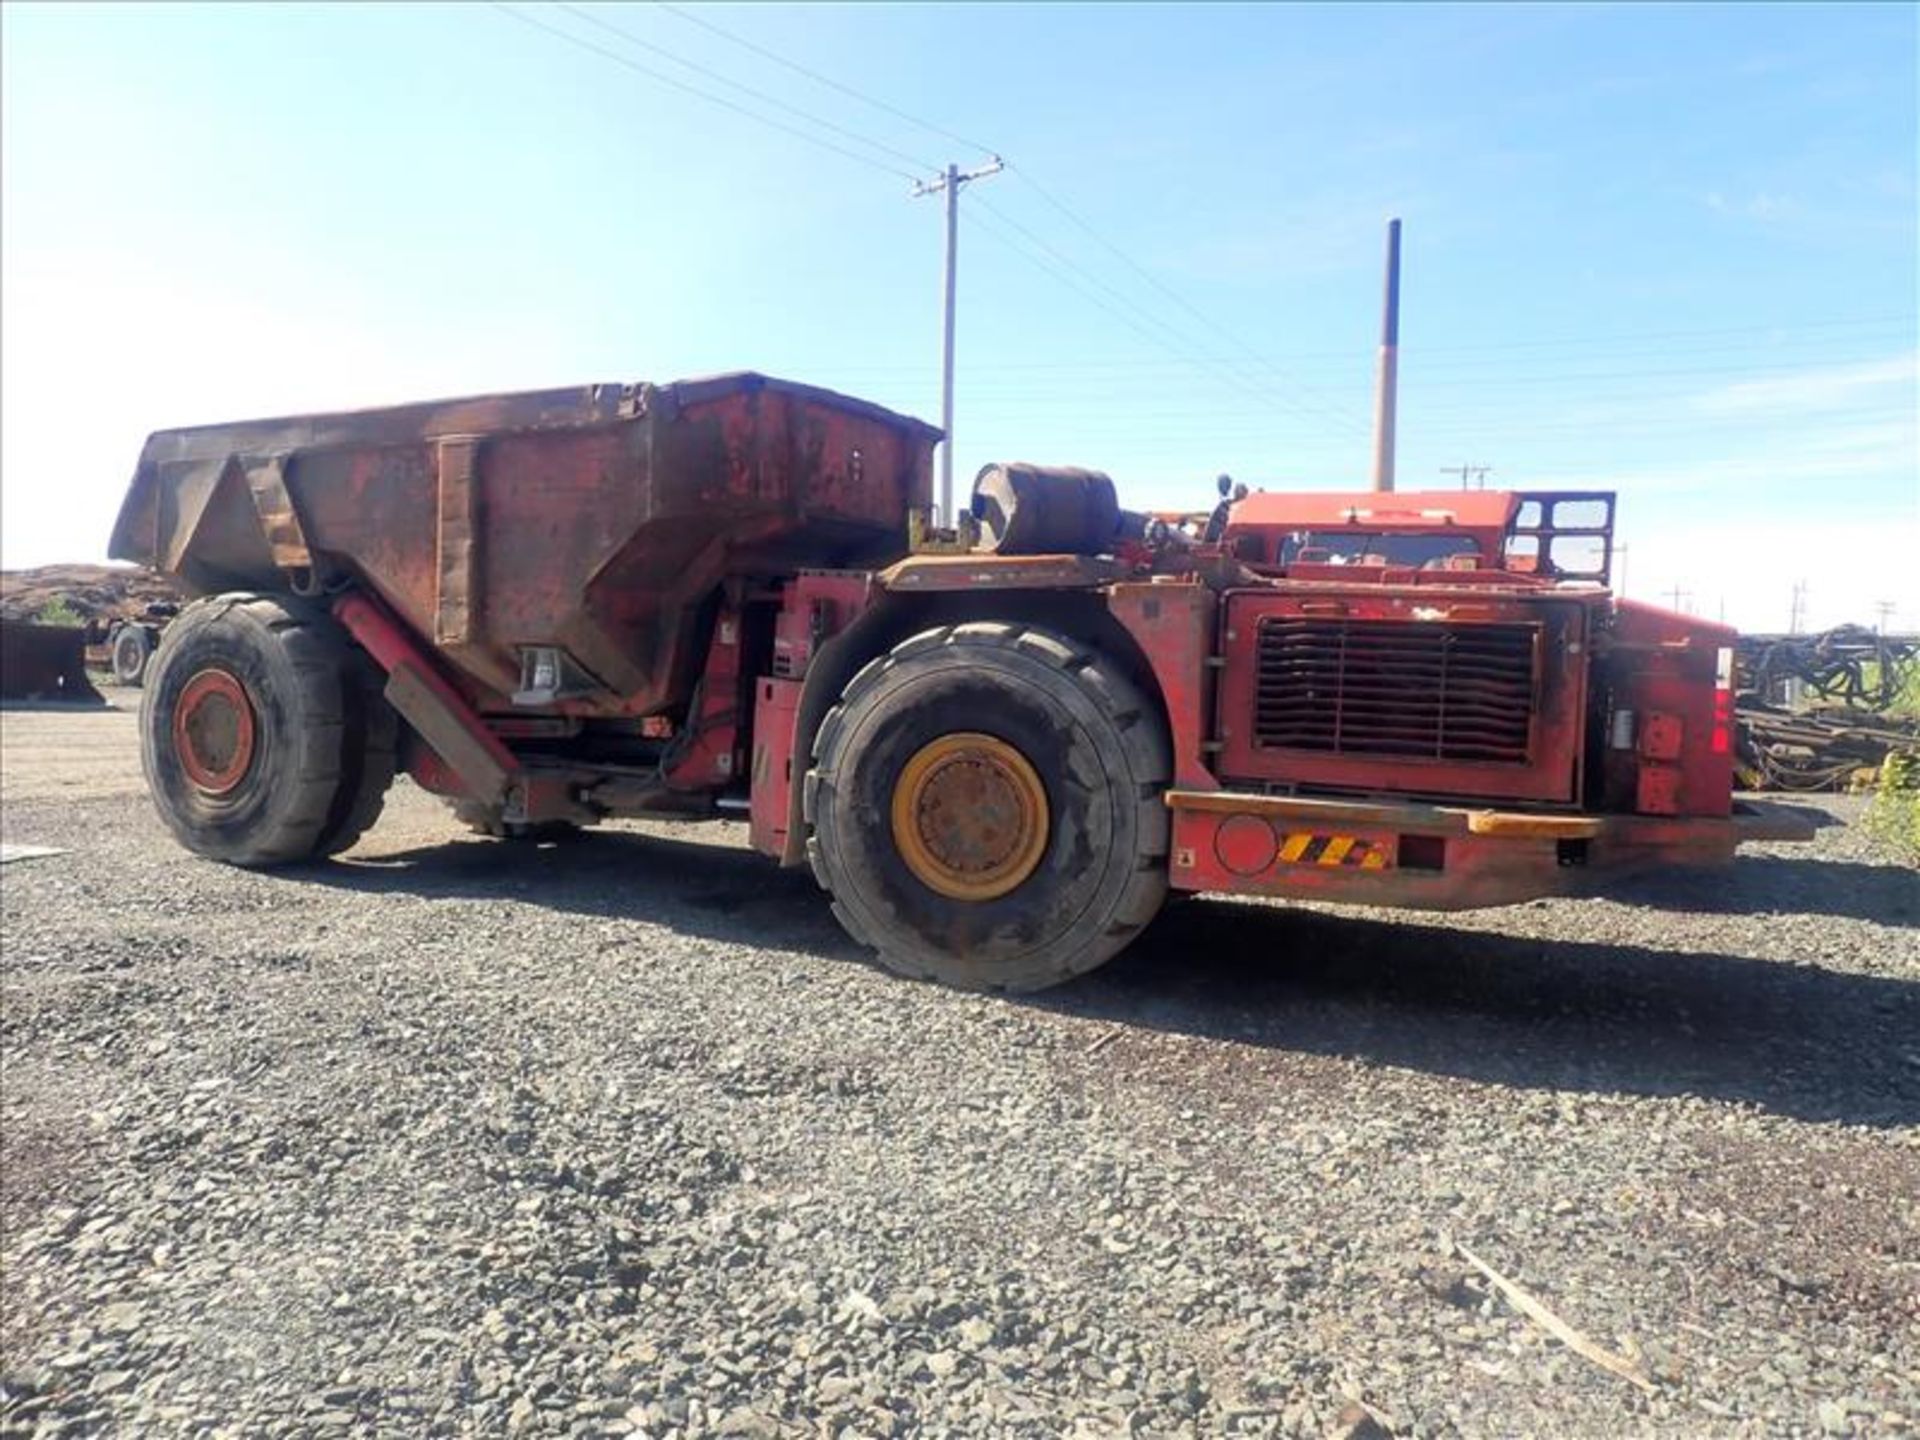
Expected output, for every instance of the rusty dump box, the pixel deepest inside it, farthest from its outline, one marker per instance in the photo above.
(595, 519)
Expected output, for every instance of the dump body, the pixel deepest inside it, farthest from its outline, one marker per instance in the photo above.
(598, 519)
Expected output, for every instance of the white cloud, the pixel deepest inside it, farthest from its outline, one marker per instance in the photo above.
(1836, 506)
(1763, 205)
(1806, 461)
(1820, 388)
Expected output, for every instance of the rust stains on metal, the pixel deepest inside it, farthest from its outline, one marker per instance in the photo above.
(1009, 572)
(213, 730)
(597, 519)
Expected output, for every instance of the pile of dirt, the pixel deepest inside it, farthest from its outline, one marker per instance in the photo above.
(96, 593)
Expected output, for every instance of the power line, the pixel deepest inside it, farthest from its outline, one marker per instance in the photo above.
(1891, 453)
(950, 180)
(1587, 342)
(694, 90)
(1473, 357)
(632, 39)
(1007, 220)
(1539, 379)
(1454, 430)
(1180, 338)
(1066, 268)
(1492, 409)
(1636, 454)
(1536, 377)
(1068, 263)
(1592, 402)
(1428, 351)
(1602, 389)
(1065, 277)
(1850, 350)
(1602, 339)
(818, 78)
(1145, 274)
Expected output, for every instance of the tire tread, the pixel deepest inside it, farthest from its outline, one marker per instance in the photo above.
(1143, 747)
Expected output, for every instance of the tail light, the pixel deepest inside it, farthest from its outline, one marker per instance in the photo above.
(1723, 701)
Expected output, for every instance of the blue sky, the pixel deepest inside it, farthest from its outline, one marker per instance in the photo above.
(1669, 250)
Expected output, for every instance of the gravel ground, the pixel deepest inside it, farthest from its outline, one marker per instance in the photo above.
(624, 1137)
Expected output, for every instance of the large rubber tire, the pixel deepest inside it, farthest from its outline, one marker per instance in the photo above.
(132, 648)
(314, 774)
(1096, 746)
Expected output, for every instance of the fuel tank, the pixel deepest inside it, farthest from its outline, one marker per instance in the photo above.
(1045, 510)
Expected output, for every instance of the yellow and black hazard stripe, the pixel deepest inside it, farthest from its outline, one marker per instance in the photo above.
(1346, 851)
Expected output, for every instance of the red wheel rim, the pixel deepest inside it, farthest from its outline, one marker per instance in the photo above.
(213, 731)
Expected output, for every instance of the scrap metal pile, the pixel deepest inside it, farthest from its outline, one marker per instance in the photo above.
(1817, 710)
(57, 620)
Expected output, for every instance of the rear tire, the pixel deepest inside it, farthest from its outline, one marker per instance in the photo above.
(986, 810)
(132, 648)
(264, 736)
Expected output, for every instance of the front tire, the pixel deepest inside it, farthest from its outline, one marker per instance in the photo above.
(986, 810)
(264, 736)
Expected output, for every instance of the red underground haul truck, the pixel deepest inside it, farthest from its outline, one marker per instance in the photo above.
(998, 747)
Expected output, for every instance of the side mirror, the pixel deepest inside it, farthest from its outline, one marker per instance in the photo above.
(1225, 485)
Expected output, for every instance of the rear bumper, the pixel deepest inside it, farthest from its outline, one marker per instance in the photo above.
(1438, 857)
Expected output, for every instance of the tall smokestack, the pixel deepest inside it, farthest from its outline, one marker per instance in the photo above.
(1388, 382)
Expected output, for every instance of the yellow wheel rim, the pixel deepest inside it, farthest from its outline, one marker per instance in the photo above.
(970, 816)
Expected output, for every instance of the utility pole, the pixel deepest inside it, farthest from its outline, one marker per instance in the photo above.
(1799, 610)
(1387, 385)
(1679, 597)
(1883, 610)
(1469, 474)
(951, 183)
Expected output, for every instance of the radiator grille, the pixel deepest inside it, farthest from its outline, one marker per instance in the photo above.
(1418, 690)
